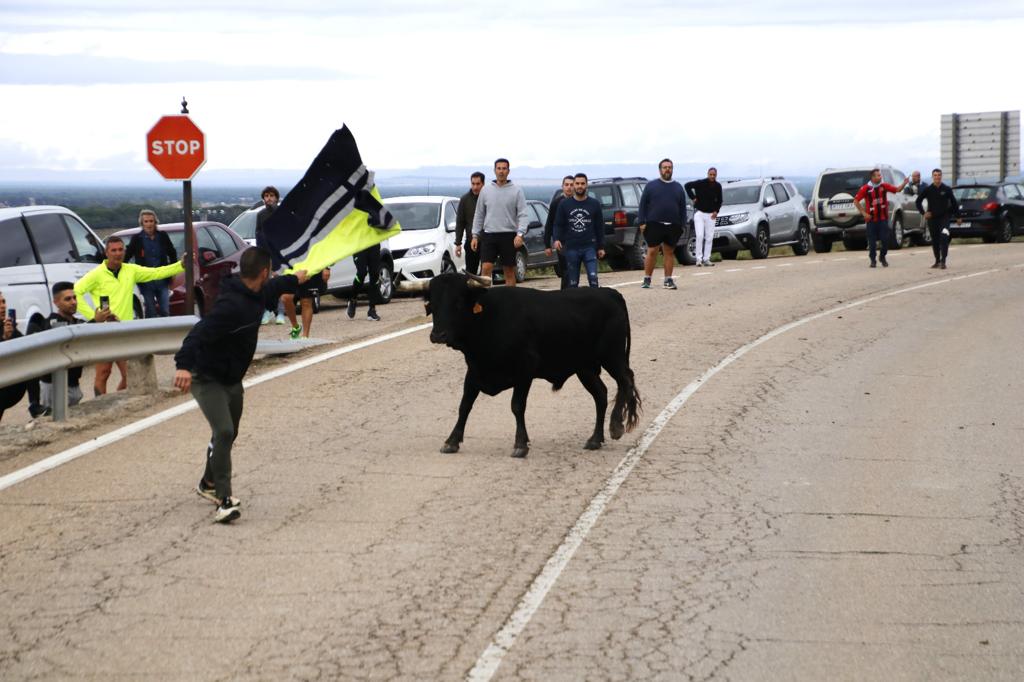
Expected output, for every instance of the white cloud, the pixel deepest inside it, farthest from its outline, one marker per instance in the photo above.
(795, 86)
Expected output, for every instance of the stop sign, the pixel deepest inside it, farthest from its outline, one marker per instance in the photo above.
(176, 147)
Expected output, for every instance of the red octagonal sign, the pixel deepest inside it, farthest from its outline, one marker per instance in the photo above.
(176, 147)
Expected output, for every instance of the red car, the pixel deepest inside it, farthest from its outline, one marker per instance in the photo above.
(219, 250)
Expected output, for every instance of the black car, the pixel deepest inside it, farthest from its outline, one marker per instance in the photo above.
(993, 211)
(624, 243)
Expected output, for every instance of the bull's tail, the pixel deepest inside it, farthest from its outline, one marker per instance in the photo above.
(634, 405)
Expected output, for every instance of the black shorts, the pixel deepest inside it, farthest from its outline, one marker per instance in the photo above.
(498, 244)
(313, 285)
(663, 233)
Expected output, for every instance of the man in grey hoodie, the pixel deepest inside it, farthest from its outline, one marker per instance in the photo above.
(500, 223)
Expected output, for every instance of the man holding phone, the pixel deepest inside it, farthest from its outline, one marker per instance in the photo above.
(112, 284)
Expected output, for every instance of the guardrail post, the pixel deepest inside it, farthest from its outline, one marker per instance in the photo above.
(59, 394)
(142, 376)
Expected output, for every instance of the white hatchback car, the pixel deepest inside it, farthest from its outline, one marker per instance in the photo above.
(40, 246)
(426, 245)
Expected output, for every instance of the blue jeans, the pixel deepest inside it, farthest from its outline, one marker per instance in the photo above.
(573, 257)
(878, 231)
(156, 298)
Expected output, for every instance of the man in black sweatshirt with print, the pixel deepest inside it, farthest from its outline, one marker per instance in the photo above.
(941, 204)
(579, 232)
(214, 358)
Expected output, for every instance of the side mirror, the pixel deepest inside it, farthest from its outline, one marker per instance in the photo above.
(769, 201)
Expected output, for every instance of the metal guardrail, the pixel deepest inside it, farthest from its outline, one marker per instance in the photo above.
(54, 351)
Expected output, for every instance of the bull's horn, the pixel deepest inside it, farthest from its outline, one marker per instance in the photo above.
(477, 281)
(420, 285)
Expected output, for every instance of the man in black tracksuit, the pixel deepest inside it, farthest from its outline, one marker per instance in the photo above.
(464, 222)
(941, 204)
(214, 358)
(549, 226)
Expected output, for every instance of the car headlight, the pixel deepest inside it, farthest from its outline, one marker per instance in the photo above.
(423, 250)
(738, 218)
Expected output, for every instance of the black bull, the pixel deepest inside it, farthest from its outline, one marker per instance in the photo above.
(513, 335)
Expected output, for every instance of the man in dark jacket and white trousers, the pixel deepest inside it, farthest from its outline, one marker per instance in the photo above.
(214, 358)
(707, 199)
(941, 204)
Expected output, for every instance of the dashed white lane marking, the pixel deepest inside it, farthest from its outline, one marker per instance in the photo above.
(759, 267)
(54, 461)
(813, 261)
(505, 638)
(784, 265)
(1019, 266)
(839, 260)
(735, 270)
(976, 246)
(701, 274)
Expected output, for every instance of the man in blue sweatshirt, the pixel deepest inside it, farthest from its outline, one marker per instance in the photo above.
(579, 232)
(661, 217)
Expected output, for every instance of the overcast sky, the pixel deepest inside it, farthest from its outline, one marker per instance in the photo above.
(790, 86)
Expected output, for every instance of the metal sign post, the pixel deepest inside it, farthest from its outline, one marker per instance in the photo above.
(190, 237)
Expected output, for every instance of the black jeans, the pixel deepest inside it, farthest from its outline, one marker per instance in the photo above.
(878, 231)
(472, 258)
(940, 242)
(221, 404)
(367, 267)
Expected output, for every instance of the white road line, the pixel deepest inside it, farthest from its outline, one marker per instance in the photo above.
(528, 605)
(813, 261)
(1019, 266)
(735, 270)
(54, 461)
(839, 260)
(975, 246)
(784, 265)
(759, 267)
(701, 274)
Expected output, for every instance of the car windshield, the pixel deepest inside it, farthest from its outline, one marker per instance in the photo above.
(741, 195)
(848, 182)
(972, 193)
(416, 216)
(244, 225)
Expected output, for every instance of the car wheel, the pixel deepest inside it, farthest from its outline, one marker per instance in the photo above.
(923, 238)
(447, 265)
(686, 250)
(855, 244)
(820, 244)
(387, 282)
(637, 253)
(1005, 233)
(762, 243)
(520, 266)
(803, 239)
(896, 234)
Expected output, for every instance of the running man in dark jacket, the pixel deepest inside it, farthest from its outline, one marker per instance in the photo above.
(214, 358)
(941, 204)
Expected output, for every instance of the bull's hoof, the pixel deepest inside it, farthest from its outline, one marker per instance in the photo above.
(520, 451)
(615, 430)
(449, 448)
(593, 444)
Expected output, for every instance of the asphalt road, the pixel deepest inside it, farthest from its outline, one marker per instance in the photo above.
(841, 499)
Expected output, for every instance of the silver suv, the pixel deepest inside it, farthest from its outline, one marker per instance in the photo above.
(759, 214)
(836, 218)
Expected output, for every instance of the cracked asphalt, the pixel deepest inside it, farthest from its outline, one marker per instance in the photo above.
(845, 501)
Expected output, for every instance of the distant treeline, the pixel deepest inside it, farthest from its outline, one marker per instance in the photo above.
(127, 214)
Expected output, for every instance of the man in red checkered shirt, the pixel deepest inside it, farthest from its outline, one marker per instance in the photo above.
(873, 203)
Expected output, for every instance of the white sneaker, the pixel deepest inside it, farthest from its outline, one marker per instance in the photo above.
(280, 319)
(266, 317)
(228, 510)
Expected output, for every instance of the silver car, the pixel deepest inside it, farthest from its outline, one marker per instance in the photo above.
(759, 214)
